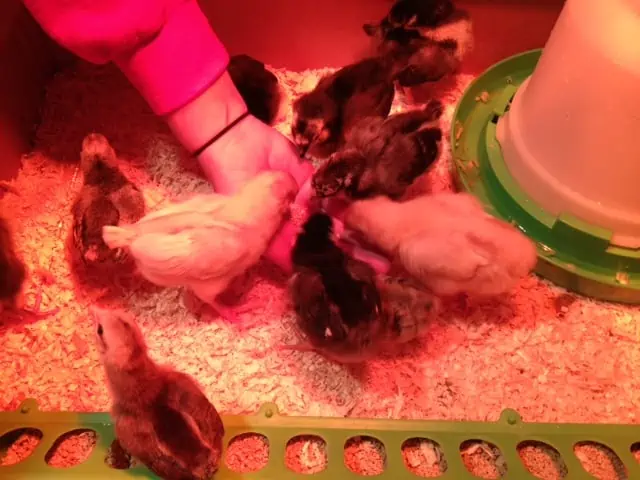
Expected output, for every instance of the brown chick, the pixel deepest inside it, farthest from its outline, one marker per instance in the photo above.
(447, 242)
(107, 197)
(161, 416)
(13, 274)
(383, 157)
(323, 116)
(425, 39)
(208, 240)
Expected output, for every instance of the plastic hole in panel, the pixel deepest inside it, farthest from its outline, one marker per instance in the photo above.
(71, 448)
(365, 456)
(542, 460)
(248, 453)
(306, 454)
(483, 459)
(424, 457)
(18, 445)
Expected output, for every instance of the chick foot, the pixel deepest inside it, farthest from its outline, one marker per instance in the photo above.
(35, 311)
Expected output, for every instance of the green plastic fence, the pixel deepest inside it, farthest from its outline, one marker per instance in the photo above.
(507, 433)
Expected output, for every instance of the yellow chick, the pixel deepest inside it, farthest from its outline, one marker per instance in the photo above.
(208, 240)
(447, 242)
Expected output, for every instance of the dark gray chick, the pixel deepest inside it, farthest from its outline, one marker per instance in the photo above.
(424, 39)
(258, 87)
(383, 157)
(107, 197)
(323, 116)
(334, 296)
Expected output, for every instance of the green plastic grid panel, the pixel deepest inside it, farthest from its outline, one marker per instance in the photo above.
(506, 433)
(572, 253)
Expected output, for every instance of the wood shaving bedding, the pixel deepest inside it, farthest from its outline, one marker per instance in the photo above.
(528, 351)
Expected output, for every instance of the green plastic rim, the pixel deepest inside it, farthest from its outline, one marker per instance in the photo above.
(571, 253)
(507, 434)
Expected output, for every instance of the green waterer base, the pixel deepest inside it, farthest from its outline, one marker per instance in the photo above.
(571, 253)
(507, 434)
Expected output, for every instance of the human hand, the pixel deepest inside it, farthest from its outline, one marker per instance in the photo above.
(246, 150)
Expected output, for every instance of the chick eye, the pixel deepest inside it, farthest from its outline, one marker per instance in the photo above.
(100, 330)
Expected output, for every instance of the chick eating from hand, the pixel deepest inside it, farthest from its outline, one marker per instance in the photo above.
(383, 156)
(161, 416)
(205, 242)
(428, 39)
(258, 87)
(107, 197)
(324, 116)
(447, 242)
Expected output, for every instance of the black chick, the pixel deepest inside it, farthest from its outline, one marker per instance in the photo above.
(424, 39)
(323, 117)
(383, 157)
(107, 197)
(258, 87)
(334, 296)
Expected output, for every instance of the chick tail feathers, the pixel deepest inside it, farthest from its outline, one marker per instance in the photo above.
(117, 237)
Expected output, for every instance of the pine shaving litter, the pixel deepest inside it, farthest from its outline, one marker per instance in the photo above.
(17, 445)
(248, 453)
(542, 460)
(424, 458)
(519, 351)
(306, 454)
(600, 461)
(365, 456)
(71, 449)
(483, 459)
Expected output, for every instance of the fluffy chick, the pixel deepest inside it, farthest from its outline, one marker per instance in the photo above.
(447, 242)
(13, 274)
(161, 416)
(208, 240)
(323, 116)
(383, 157)
(425, 39)
(258, 87)
(107, 197)
(334, 296)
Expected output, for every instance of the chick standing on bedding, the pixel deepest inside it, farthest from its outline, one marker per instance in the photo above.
(428, 38)
(208, 240)
(161, 416)
(323, 117)
(107, 197)
(12, 277)
(446, 241)
(258, 87)
(383, 157)
(334, 296)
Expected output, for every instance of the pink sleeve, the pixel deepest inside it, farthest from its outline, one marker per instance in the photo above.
(166, 48)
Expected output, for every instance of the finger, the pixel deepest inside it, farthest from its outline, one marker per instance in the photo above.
(375, 261)
(336, 207)
(305, 193)
(300, 171)
(279, 250)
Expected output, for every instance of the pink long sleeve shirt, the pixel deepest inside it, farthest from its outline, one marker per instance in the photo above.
(166, 48)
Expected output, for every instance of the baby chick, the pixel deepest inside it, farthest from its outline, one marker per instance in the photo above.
(383, 157)
(208, 240)
(323, 116)
(13, 274)
(107, 197)
(334, 296)
(427, 38)
(447, 242)
(161, 416)
(258, 87)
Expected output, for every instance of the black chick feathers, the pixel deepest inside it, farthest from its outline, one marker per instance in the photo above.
(383, 157)
(258, 87)
(331, 292)
(107, 197)
(324, 116)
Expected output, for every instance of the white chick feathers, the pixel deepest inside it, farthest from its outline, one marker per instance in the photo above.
(447, 242)
(205, 242)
